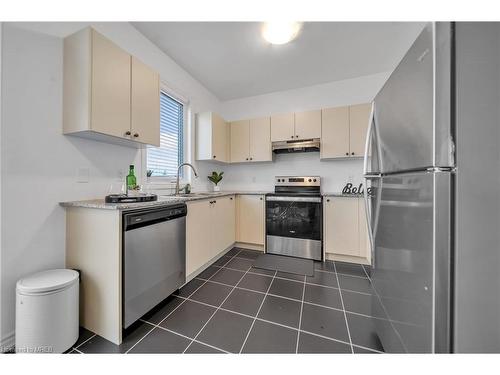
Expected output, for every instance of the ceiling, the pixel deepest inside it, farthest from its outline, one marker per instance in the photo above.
(232, 60)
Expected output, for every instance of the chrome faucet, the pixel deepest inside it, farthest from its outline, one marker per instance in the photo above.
(177, 190)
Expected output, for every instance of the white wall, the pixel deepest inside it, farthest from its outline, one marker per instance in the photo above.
(39, 164)
(260, 176)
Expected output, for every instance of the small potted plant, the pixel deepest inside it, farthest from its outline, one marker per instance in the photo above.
(216, 178)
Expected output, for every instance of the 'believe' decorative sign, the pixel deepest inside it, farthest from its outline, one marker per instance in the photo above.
(349, 189)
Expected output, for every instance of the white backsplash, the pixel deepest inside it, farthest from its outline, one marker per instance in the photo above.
(260, 176)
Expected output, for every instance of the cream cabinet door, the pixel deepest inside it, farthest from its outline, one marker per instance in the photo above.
(250, 219)
(282, 127)
(145, 111)
(358, 123)
(335, 132)
(260, 139)
(110, 96)
(223, 219)
(240, 141)
(219, 138)
(341, 226)
(308, 124)
(199, 235)
(364, 242)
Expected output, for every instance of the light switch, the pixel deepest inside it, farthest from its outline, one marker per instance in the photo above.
(82, 175)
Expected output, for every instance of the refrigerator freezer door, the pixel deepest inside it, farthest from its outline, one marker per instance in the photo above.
(405, 246)
(409, 136)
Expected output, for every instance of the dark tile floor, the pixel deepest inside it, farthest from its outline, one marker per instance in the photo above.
(234, 308)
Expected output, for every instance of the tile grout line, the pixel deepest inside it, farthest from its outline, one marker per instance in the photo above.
(217, 309)
(175, 309)
(184, 336)
(90, 338)
(343, 307)
(265, 321)
(258, 311)
(300, 316)
(283, 278)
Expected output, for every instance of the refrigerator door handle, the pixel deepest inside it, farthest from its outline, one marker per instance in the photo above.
(369, 213)
(368, 139)
(372, 132)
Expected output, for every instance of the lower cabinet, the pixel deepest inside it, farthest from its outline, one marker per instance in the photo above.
(210, 229)
(345, 230)
(250, 223)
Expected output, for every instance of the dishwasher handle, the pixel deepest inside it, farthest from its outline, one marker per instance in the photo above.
(138, 219)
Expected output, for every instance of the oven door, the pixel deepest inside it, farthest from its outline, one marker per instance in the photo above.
(294, 226)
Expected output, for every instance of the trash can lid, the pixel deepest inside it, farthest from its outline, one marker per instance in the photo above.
(47, 281)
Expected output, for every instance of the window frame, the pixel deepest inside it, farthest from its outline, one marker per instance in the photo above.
(167, 182)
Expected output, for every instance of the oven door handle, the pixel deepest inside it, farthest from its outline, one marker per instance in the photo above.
(294, 199)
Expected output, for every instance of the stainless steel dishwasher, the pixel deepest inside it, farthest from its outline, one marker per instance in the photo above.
(154, 258)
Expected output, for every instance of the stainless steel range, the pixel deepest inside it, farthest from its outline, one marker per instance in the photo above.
(294, 217)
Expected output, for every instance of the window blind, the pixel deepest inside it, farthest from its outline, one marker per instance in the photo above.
(164, 160)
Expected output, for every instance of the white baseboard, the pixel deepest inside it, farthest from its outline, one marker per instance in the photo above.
(8, 342)
(346, 258)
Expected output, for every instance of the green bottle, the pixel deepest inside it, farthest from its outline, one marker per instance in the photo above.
(131, 180)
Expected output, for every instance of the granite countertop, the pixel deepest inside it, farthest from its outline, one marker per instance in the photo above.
(337, 194)
(163, 200)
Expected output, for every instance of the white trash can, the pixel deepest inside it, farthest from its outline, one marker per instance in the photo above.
(47, 311)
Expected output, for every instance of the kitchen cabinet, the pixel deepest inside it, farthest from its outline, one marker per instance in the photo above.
(343, 131)
(108, 94)
(212, 138)
(283, 127)
(145, 102)
(250, 221)
(334, 132)
(308, 125)
(251, 140)
(210, 229)
(345, 230)
(296, 126)
(359, 116)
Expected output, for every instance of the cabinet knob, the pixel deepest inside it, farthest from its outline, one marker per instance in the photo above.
(246, 159)
(352, 153)
(296, 136)
(231, 198)
(128, 132)
(215, 156)
(328, 200)
(251, 158)
(136, 135)
(260, 198)
(347, 153)
(291, 136)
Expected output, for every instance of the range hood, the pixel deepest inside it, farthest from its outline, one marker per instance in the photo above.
(306, 145)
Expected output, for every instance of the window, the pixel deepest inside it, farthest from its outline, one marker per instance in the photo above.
(164, 160)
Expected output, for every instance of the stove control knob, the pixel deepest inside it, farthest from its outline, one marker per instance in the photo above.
(314, 180)
(310, 180)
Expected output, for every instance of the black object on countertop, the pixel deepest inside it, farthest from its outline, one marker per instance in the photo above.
(124, 198)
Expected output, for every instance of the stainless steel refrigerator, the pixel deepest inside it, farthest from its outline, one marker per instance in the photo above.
(433, 164)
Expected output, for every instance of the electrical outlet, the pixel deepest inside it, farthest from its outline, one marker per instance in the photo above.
(82, 175)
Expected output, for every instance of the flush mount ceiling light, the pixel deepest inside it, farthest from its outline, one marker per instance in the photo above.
(280, 32)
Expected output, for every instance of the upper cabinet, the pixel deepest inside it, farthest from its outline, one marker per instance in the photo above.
(145, 101)
(296, 126)
(343, 131)
(251, 140)
(212, 135)
(108, 92)
(308, 125)
(282, 127)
